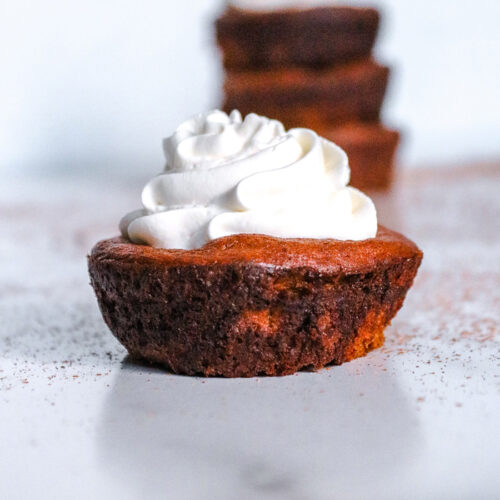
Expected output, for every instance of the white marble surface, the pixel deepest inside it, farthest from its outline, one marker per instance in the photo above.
(417, 419)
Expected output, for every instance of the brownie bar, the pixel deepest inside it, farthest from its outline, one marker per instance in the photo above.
(248, 305)
(306, 97)
(310, 37)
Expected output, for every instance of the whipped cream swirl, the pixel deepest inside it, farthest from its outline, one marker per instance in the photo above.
(225, 176)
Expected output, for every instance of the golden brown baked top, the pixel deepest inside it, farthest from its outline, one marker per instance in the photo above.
(347, 257)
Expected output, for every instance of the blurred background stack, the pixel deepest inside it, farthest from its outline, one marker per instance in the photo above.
(314, 68)
(90, 88)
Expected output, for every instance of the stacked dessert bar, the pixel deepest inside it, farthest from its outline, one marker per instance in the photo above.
(313, 68)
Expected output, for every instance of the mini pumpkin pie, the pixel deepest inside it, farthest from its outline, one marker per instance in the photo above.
(310, 97)
(251, 256)
(264, 34)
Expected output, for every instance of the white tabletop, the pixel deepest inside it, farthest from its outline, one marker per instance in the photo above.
(416, 419)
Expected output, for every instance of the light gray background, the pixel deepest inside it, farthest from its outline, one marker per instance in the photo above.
(94, 86)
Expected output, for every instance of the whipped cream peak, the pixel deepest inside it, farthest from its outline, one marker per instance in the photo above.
(227, 175)
(215, 138)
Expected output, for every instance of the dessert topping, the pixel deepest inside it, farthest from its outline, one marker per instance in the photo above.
(226, 175)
